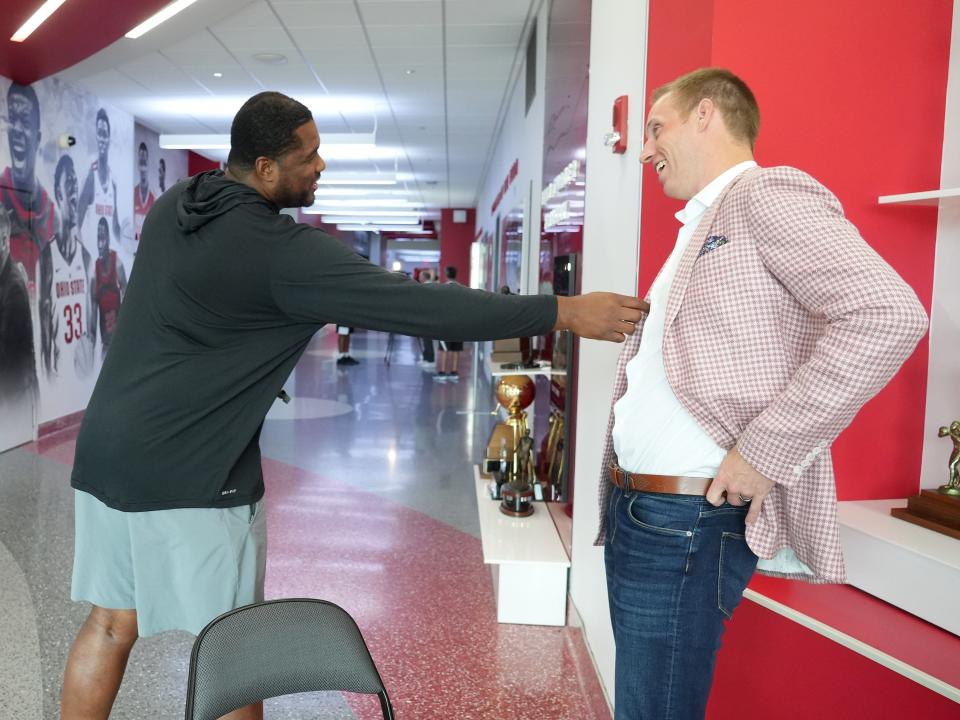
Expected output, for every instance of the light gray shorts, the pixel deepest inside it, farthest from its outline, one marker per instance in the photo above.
(179, 569)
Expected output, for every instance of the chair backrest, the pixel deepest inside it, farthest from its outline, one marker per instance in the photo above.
(274, 648)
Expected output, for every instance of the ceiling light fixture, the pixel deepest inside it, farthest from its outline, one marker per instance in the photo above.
(369, 213)
(337, 143)
(376, 227)
(36, 20)
(218, 74)
(363, 219)
(348, 178)
(270, 58)
(371, 202)
(159, 17)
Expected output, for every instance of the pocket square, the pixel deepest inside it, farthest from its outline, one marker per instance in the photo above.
(712, 243)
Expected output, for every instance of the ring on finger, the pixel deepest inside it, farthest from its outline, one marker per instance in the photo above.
(744, 499)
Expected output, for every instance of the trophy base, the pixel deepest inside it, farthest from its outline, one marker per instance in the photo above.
(933, 510)
(517, 500)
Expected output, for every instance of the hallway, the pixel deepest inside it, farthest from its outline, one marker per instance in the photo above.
(371, 506)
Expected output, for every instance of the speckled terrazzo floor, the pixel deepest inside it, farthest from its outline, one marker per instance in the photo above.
(370, 505)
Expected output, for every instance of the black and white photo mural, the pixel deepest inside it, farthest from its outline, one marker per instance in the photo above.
(67, 245)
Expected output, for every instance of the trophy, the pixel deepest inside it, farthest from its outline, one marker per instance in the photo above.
(939, 509)
(510, 448)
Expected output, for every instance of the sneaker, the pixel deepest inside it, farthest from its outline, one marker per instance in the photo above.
(453, 377)
(347, 360)
(440, 377)
(427, 365)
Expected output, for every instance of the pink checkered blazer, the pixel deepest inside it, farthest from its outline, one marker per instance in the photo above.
(781, 323)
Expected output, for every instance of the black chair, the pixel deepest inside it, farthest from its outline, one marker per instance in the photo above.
(274, 648)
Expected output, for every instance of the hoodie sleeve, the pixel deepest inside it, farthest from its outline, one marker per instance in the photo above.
(316, 279)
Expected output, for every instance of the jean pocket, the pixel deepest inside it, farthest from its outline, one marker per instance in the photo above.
(663, 515)
(737, 563)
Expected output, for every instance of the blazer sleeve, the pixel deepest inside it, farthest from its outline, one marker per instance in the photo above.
(873, 321)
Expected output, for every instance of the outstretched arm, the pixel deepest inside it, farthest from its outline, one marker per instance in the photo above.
(600, 315)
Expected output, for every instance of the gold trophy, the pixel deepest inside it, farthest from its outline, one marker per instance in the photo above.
(510, 449)
(939, 509)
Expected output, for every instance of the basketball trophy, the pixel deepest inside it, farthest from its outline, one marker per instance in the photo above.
(510, 448)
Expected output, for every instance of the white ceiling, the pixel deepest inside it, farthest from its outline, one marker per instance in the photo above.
(432, 76)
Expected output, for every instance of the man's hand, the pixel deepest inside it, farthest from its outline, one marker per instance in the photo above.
(600, 315)
(741, 483)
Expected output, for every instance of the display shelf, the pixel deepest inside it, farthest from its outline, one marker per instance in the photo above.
(885, 634)
(929, 197)
(527, 559)
(497, 369)
(907, 565)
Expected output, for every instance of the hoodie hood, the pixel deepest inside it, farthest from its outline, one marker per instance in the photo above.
(209, 195)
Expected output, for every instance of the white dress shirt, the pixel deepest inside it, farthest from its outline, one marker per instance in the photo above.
(652, 432)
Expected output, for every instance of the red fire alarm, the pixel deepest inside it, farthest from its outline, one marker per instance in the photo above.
(617, 138)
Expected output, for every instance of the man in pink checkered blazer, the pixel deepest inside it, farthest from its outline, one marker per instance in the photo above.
(770, 325)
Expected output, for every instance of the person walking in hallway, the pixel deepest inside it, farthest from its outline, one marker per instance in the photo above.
(770, 325)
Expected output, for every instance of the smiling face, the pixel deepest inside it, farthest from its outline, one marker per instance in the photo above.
(298, 170)
(673, 148)
(24, 137)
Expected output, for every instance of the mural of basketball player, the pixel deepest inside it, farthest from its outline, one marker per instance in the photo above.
(32, 215)
(110, 285)
(142, 195)
(68, 330)
(99, 193)
(18, 375)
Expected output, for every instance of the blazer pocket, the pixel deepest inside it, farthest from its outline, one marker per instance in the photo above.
(713, 242)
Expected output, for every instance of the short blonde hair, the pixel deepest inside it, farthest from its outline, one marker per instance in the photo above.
(730, 94)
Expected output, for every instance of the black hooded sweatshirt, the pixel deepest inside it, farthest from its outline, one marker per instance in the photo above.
(226, 295)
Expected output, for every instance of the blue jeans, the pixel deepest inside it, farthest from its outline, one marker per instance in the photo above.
(676, 568)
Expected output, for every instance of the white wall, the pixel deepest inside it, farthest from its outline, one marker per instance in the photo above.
(521, 139)
(610, 257)
(943, 378)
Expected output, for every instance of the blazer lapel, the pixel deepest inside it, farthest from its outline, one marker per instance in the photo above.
(685, 269)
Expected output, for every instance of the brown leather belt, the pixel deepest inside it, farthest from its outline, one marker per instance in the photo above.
(671, 484)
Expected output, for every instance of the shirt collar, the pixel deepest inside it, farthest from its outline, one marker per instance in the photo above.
(698, 204)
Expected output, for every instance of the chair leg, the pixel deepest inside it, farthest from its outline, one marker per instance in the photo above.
(385, 706)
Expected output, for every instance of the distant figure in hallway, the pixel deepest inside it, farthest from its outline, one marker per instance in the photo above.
(428, 360)
(162, 175)
(448, 355)
(170, 529)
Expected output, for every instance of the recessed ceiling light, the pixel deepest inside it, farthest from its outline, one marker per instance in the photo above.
(268, 58)
(36, 20)
(218, 74)
(409, 71)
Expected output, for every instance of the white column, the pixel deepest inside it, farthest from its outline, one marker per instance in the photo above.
(618, 41)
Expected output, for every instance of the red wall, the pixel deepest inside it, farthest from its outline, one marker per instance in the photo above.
(853, 93)
(455, 239)
(857, 99)
(198, 163)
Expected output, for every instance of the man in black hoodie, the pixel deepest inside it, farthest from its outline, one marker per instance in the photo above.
(226, 294)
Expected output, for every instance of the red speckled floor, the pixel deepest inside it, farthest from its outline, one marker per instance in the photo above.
(370, 505)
